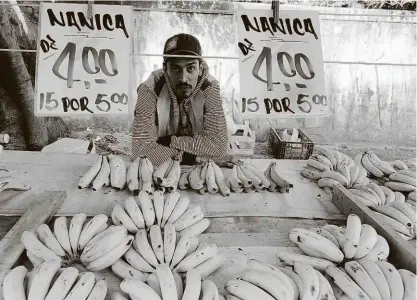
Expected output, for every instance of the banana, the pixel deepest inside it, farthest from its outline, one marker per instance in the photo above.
(309, 173)
(170, 237)
(403, 178)
(83, 287)
(212, 186)
(317, 242)
(42, 280)
(88, 177)
(325, 289)
(256, 181)
(14, 284)
(179, 209)
(196, 258)
(193, 214)
(338, 156)
(241, 176)
(181, 250)
(337, 232)
(117, 171)
(246, 291)
(144, 248)
(354, 174)
(137, 289)
(394, 224)
(362, 177)
(194, 179)
(411, 204)
(35, 261)
(264, 179)
(327, 182)
(348, 286)
(146, 169)
(102, 176)
(385, 168)
(327, 153)
(326, 234)
(370, 167)
(370, 191)
(309, 279)
(47, 238)
(396, 215)
(410, 164)
(394, 280)
(172, 177)
(160, 172)
(103, 243)
(353, 234)
(125, 271)
(400, 165)
(375, 272)
(317, 263)
(335, 176)
(409, 173)
(367, 241)
(62, 234)
(400, 186)
(250, 190)
(93, 227)
(133, 257)
(401, 207)
(322, 159)
(169, 206)
(203, 191)
(412, 196)
(266, 282)
(132, 176)
(99, 291)
(183, 183)
(148, 187)
(388, 193)
(281, 182)
(377, 189)
(157, 242)
(196, 229)
(74, 232)
(233, 179)
(380, 251)
(209, 266)
(203, 173)
(209, 291)
(220, 180)
(63, 284)
(362, 279)
(345, 171)
(364, 197)
(154, 283)
(167, 282)
(147, 208)
(134, 214)
(33, 245)
(110, 257)
(409, 281)
(192, 285)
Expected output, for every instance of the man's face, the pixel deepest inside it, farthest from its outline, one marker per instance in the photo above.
(183, 75)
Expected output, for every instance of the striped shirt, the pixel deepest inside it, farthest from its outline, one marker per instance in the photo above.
(213, 142)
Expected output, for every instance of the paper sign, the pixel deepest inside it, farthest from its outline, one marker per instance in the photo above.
(83, 65)
(281, 64)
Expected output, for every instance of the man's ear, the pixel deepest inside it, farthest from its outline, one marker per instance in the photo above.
(200, 73)
(164, 66)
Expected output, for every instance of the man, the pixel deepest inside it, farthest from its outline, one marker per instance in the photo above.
(179, 111)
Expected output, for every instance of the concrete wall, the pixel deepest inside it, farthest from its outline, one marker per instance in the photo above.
(370, 71)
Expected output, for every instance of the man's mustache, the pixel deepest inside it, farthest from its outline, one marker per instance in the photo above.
(182, 85)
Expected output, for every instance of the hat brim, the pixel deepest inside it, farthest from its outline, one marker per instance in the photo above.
(180, 53)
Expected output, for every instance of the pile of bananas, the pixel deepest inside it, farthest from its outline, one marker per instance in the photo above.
(94, 244)
(404, 165)
(331, 244)
(373, 195)
(330, 167)
(402, 181)
(267, 282)
(49, 281)
(167, 175)
(369, 280)
(168, 285)
(147, 213)
(107, 170)
(139, 176)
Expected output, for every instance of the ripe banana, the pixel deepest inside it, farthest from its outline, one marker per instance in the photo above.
(144, 248)
(364, 197)
(169, 242)
(403, 178)
(122, 217)
(99, 291)
(133, 257)
(132, 176)
(183, 183)
(233, 179)
(102, 176)
(83, 287)
(326, 152)
(47, 238)
(385, 168)
(266, 282)
(220, 180)
(256, 181)
(409, 173)
(197, 228)
(353, 234)
(348, 286)
(345, 171)
(169, 206)
(370, 191)
(362, 279)
(322, 159)
(337, 232)
(33, 245)
(117, 171)
(93, 227)
(35, 261)
(327, 182)
(153, 282)
(196, 258)
(192, 285)
(354, 174)
(88, 177)
(146, 169)
(409, 281)
(296, 279)
(325, 291)
(193, 214)
(157, 242)
(247, 183)
(319, 264)
(63, 284)
(310, 280)
(265, 181)
(42, 280)
(246, 291)
(396, 215)
(394, 280)
(399, 197)
(370, 167)
(400, 165)
(309, 173)
(75, 228)
(147, 208)
(161, 171)
(134, 213)
(126, 271)
(209, 266)
(389, 195)
(181, 250)
(380, 251)
(412, 196)
(377, 189)
(179, 210)
(367, 241)
(281, 182)
(394, 224)
(62, 234)
(401, 207)
(338, 156)
(375, 272)
(211, 179)
(137, 289)
(335, 176)
(173, 175)
(326, 234)
(167, 282)
(14, 284)
(400, 186)
(194, 179)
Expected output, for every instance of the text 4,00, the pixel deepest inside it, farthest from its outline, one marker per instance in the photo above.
(103, 102)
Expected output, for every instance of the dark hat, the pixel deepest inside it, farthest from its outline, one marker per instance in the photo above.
(182, 44)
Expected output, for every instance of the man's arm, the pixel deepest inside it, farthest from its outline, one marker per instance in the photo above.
(144, 135)
(214, 140)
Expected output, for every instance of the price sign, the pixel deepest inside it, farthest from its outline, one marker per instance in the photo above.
(281, 64)
(83, 64)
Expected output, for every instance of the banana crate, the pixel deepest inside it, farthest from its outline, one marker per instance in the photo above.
(290, 150)
(402, 252)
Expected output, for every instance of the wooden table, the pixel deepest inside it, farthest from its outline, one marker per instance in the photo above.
(244, 225)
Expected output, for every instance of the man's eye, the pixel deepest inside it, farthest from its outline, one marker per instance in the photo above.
(175, 69)
(190, 69)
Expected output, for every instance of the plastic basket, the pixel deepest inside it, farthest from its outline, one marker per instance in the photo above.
(290, 150)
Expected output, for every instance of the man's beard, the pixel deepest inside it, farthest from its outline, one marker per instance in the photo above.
(183, 91)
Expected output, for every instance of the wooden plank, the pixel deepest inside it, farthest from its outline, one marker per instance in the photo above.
(402, 252)
(11, 248)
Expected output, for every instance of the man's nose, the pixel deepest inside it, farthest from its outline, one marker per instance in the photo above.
(183, 76)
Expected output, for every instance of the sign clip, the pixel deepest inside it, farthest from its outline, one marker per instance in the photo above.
(90, 9)
(275, 10)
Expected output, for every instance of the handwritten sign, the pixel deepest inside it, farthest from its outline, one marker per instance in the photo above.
(280, 64)
(83, 65)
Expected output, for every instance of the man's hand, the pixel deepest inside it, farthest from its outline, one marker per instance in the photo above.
(223, 162)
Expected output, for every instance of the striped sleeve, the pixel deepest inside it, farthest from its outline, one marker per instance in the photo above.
(214, 140)
(144, 131)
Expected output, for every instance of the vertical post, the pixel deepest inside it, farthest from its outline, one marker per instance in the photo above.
(275, 10)
(90, 9)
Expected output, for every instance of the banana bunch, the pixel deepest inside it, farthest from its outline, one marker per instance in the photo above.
(107, 170)
(329, 167)
(163, 284)
(49, 281)
(404, 165)
(402, 181)
(373, 164)
(144, 213)
(371, 280)
(411, 200)
(167, 175)
(94, 244)
(140, 176)
(330, 245)
(267, 282)
(373, 195)
(181, 253)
